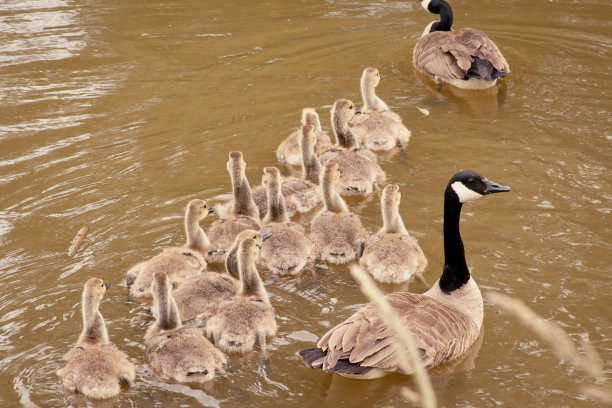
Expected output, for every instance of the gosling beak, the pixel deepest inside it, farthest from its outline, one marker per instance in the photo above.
(381, 77)
(211, 210)
(357, 111)
(107, 285)
(265, 236)
(493, 187)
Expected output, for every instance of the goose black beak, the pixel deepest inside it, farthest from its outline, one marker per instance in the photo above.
(107, 285)
(493, 187)
(265, 236)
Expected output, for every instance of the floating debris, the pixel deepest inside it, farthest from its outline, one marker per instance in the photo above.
(423, 111)
(76, 242)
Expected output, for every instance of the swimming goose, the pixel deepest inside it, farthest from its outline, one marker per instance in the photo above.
(288, 249)
(376, 127)
(465, 58)
(445, 321)
(335, 231)
(242, 214)
(359, 166)
(248, 318)
(289, 149)
(392, 255)
(177, 262)
(94, 366)
(181, 353)
(300, 194)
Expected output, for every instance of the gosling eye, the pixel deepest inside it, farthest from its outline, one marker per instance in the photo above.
(204, 205)
(254, 236)
(351, 107)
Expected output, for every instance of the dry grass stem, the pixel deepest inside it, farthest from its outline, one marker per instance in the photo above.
(405, 348)
(562, 345)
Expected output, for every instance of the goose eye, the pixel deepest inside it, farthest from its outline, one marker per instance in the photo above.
(470, 180)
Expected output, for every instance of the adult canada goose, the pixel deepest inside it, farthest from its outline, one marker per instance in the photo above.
(359, 166)
(288, 249)
(289, 149)
(242, 214)
(248, 318)
(376, 127)
(181, 353)
(335, 231)
(177, 262)
(445, 321)
(300, 194)
(465, 58)
(94, 366)
(392, 255)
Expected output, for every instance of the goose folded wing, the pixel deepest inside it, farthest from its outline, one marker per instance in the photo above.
(439, 331)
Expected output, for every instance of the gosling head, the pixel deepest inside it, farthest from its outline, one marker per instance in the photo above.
(391, 194)
(469, 185)
(343, 111)
(236, 162)
(371, 77)
(271, 176)
(200, 208)
(161, 283)
(310, 117)
(95, 289)
(331, 173)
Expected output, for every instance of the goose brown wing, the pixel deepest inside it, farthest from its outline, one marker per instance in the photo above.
(441, 333)
(450, 54)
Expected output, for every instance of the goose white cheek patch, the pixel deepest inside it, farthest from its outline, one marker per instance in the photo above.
(425, 4)
(464, 193)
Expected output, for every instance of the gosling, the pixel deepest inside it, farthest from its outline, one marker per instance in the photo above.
(289, 149)
(392, 255)
(181, 353)
(288, 250)
(177, 262)
(249, 318)
(335, 231)
(243, 214)
(94, 366)
(377, 127)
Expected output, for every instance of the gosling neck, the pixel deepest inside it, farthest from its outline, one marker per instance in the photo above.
(392, 221)
(333, 202)
(243, 200)
(167, 312)
(276, 204)
(311, 166)
(343, 133)
(456, 272)
(196, 237)
(94, 329)
(249, 277)
(371, 102)
(311, 118)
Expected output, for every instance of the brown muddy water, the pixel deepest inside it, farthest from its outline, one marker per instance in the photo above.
(114, 114)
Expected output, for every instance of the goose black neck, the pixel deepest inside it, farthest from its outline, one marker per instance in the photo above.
(456, 272)
(446, 18)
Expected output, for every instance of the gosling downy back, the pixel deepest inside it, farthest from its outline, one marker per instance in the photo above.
(335, 231)
(359, 166)
(376, 127)
(248, 318)
(94, 366)
(465, 58)
(178, 262)
(289, 150)
(181, 353)
(444, 321)
(392, 255)
(287, 250)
